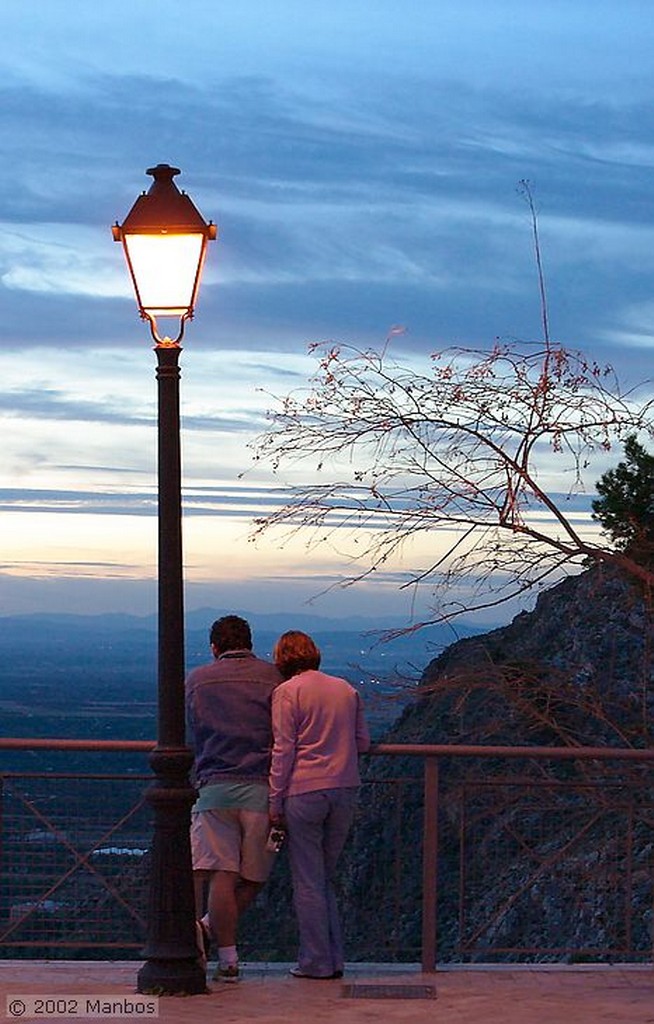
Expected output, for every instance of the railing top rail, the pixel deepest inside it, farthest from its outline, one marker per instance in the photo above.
(462, 750)
(47, 743)
(393, 749)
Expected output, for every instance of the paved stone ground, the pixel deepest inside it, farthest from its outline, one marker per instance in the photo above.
(268, 995)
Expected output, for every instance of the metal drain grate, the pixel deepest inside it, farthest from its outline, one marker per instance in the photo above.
(366, 991)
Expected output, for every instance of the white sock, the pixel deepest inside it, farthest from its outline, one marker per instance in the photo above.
(227, 956)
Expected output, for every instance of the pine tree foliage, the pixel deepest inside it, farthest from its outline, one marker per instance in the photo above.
(625, 507)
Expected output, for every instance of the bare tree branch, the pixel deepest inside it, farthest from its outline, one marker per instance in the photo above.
(464, 450)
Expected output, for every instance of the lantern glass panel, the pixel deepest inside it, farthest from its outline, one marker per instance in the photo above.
(165, 270)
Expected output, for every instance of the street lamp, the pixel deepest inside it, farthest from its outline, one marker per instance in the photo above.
(165, 238)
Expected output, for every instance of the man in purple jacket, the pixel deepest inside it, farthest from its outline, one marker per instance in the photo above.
(228, 710)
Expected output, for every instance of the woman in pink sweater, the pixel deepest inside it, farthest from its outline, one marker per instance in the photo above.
(319, 730)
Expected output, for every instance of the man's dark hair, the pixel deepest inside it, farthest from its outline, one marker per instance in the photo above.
(231, 633)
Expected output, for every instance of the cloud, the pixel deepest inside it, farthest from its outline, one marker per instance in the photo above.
(50, 404)
(238, 501)
(337, 213)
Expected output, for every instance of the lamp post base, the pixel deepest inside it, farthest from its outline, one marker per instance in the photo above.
(171, 978)
(172, 967)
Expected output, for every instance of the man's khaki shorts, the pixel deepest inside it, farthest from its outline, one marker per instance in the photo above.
(231, 840)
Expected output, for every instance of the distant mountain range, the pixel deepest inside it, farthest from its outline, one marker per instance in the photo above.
(25, 640)
(201, 618)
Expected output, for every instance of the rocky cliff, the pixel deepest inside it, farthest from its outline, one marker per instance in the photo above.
(576, 670)
(538, 860)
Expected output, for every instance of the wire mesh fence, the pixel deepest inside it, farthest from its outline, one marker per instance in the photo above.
(73, 862)
(550, 869)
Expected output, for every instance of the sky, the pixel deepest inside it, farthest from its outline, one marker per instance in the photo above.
(361, 159)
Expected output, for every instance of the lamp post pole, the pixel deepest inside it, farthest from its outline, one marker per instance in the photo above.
(161, 230)
(171, 964)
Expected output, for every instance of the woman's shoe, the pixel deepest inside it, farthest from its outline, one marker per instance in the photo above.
(297, 972)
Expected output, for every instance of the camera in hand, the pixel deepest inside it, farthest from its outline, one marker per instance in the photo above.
(276, 838)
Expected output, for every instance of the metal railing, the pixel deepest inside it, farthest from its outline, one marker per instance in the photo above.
(480, 853)
(588, 837)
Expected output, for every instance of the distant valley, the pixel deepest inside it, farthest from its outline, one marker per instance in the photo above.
(76, 676)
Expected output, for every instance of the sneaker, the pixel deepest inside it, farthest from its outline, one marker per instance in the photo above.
(227, 972)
